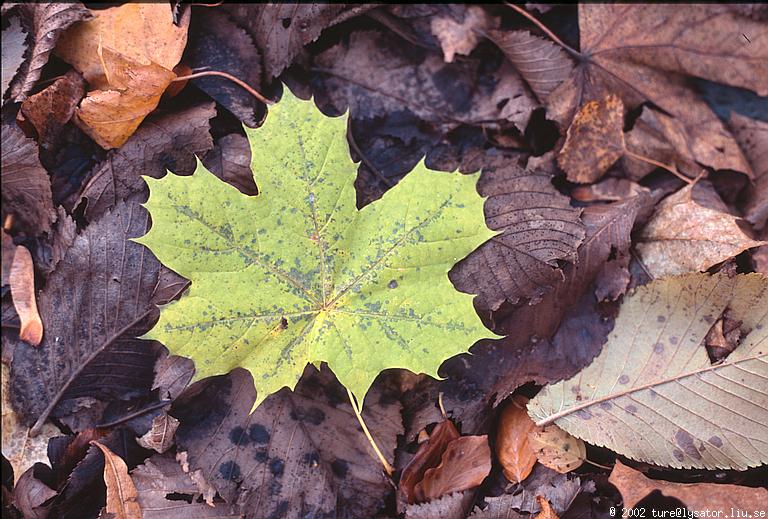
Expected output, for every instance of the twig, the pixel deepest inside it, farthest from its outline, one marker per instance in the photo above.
(387, 467)
(544, 28)
(157, 405)
(598, 465)
(672, 169)
(365, 160)
(232, 78)
(440, 403)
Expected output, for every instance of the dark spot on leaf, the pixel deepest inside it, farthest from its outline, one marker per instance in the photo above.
(283, 323)
(584, 414)
(660, 318)
(658, 348)
(286, 22)
(340, 468)
(311, 458)
(237, 436)
(673, 339)
(281, 510)
(392, 284)
(261, 456)
(313, 415)
(276, 467)
(230, 470)
(716, 441)
(605, 405)
(258, 433)
(575, 389)
(624, 379)
(677, 453)
(709, 319)
(631, 409)
(685, 441)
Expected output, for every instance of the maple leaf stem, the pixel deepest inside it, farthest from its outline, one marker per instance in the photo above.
(672, 169)
(232, 78)
(387, 467)
(544, 28)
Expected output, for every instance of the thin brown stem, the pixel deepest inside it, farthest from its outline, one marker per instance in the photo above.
(672, 169)
(606, 467)
(387, 467)
(356, 148)
(544, 29)
(131, 416)
(232, 78)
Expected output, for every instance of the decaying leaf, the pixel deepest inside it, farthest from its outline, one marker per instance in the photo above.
(22, 281)
(465, 463)
(752, 136)
(362, 290)
(653, 394)
(427, 457)
(126, 54)
(460, 36)
(122, 498)
(609, 190)
(451, 506)
(539, 228)
(634, 486)
(513, 449)
(684, 236)
(13, 49)
(543, 64)
(595, 140)
(21, 451)
(230, 160)
(160, 436)
(29, 495)
(26, 186)
(46, 23)
(621, 56)
(557, 449)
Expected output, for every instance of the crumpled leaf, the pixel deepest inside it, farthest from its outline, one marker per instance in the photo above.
(310, 434)
(653, 394)
(465, 463)
(29, 494)
(22, 281)
(539, 228)
(100, 291)
(634, 486)
(595, 140)
(160, 477)
(362, 290)
(557, 449)
(375, 75)
(450, 506)
(752, 136)
(428, 456)
(126, 54)
(543, 64)
(21, 451)
(26, 186)
(460, 36)
(46, 23)
(122, 497)
(13, 49)
(684, 236)
(160, 436)
(622, 56)
(513, 449)
(164, 142)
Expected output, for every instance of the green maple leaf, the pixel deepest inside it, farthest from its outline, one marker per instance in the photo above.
(298, 275)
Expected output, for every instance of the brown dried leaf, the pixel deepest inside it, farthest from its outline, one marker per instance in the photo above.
(460, 37)
(427, 457)
(450, 506)
(513, 449)
(539, 228)
(122, 497)
(22, 281)
(595, 140)
(160, 436)
(230, 160)
(634, 486)
(26, 187)
(683, 236)
(29, 494)
(46, 23)
(465, 463)
(609, 190)
(622, 56)
(546, 509)
(543, 64)
(9, 249)
(557, 449)
(752, 136)
(13, 49)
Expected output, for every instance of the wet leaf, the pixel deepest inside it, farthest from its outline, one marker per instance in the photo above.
(684, 236)
(334, 284)
(634, 486)
(465, 463)
(557, 449)
(655, 364)
(752, 136)
(513, 449)
(26, 185)
(122, 498)
(22, 281)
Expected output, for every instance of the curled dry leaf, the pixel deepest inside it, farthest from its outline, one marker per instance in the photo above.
(122, 497)
(29, 494)
(557, 449)
(684, 236)
(460, 37)
(465, 463)
(595, 140)
(22, 281)
(546, 509)
(427, 457)
(160, 436)
(13, 49)
(752, 136)
(513, 449)
(609, 190)
(634, 486)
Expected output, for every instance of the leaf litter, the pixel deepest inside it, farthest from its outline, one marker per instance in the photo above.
(603, 169)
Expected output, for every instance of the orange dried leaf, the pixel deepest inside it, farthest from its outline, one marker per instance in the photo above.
(22, 281)
(546, 509)
(513, 449)
(557, 449)
(122, 497)
(464, 465)
(427, 457)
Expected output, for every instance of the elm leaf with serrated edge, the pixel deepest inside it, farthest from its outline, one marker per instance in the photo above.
(653, 395)
(298, 275)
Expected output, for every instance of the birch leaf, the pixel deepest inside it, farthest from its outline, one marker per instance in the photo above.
(653, 395)
(298, 275)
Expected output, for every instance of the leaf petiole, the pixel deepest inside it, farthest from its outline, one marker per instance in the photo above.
(387, 467)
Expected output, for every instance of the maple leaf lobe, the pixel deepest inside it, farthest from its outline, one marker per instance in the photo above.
(298, 275)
